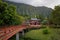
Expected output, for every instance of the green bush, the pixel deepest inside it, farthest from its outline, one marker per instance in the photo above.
(45, 31)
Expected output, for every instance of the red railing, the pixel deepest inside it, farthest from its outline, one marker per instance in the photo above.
(7, 32)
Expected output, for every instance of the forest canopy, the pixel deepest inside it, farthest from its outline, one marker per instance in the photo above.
(9, 15)
(55, 15)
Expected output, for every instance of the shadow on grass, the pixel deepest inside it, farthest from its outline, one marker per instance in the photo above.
(27, 38)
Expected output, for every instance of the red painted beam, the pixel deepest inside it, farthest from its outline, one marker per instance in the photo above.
(10, 31)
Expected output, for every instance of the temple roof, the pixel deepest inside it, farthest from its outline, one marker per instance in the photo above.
(34, 19)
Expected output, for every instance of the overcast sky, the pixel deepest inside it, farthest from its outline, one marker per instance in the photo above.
(48, 3)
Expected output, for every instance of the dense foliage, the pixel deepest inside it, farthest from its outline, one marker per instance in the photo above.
(55, 16)
(9, 15)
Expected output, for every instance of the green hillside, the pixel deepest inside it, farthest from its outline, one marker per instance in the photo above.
(25, 9)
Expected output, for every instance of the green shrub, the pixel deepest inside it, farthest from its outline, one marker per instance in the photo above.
(45, 31)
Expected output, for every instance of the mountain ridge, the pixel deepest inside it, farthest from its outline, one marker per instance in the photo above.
(31, 10)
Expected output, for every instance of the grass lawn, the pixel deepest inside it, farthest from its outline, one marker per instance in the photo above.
(54, 34)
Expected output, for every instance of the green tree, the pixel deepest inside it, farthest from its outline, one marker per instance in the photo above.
(40, 17)
(9, 15)
(55, 16)
(3, 8)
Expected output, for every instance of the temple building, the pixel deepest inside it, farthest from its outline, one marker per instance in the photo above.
(34, 21)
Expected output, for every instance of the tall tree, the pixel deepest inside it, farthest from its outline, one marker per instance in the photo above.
(55, 16)
(9, 15)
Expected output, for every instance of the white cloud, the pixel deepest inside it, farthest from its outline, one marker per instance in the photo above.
(48, 3)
